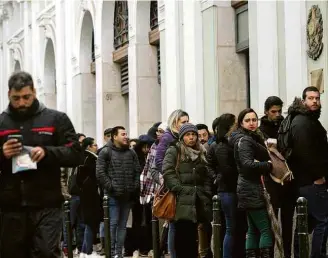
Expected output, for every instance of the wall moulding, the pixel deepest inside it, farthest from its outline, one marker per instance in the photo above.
(120, 54)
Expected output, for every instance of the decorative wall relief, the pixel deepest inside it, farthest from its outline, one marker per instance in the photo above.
(314, 32)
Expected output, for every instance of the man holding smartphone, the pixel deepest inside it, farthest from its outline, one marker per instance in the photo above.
(31, 200)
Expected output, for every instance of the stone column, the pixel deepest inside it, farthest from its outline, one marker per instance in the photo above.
(60, 56)
(263, 44)
(69, 16)
(173, 71)
(295, 48)
(144, 91)
(27, 49)
(193, 61)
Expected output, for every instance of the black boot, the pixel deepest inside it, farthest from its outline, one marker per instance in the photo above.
(251, 253)
(266, 252)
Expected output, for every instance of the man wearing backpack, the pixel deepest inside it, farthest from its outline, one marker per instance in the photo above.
(283, 197)
(118, 173)
(308, 160)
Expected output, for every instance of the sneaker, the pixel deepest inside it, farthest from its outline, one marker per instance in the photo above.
(135, 254)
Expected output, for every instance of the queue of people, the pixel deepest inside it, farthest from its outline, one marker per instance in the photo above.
(44, 162)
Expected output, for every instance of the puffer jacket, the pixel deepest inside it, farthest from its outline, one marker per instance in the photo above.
(252, 162)
(221, 162)
(167, 138)
(192, 185)
(118, 171)
(309, 157)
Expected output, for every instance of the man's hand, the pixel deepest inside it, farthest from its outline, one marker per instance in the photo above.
(37, 154)
(320, 181)
(12, 148)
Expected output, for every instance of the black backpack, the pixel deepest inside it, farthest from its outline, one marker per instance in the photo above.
(284, 140)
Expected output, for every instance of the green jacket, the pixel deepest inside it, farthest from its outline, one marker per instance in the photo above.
(190, 182)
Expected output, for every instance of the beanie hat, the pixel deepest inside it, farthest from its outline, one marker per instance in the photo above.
(144, 138)
(186, 128)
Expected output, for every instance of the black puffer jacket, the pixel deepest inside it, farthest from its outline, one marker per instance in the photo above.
(309, 157)
(221, 162)
(252, 162)
(118, 171)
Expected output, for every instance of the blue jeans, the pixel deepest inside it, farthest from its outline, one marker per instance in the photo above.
(317, 197)
(87, 246)
(76, 222)
(101, 230)
(171, 240)
(119, 214)
(229, 208)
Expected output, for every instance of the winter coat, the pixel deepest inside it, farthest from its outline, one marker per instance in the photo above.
(309, 157)
(252, 162)
(118, 171)
(192, 185)
(90, 199)
(167, 138)
(54, 132)
(221, 162)
(270, 128)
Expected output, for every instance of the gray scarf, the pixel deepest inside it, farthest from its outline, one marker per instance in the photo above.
(191, 153)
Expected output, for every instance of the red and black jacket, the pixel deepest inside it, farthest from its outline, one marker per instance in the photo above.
(53, 131)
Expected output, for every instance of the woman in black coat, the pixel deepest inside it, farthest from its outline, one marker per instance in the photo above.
(90, 198)
(221, 162)
(252, 161)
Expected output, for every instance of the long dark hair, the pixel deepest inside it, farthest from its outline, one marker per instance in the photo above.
(224, 125)
(243, 113)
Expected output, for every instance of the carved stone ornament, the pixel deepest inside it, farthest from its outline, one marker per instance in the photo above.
(314, 32)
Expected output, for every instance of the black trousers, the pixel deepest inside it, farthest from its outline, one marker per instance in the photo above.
(186, 236)
(33, 233)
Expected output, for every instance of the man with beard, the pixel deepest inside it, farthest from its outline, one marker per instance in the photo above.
(309, 163)
(203, 135)
(271, 121)
(31, 200)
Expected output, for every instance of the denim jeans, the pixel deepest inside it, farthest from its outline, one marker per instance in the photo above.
(229, 208)
(317, 198)
(76, 222)
(171, 240)
(119, 214)
(87, 246)
(101, 230)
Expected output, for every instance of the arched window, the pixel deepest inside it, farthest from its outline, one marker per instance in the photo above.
(121, 24)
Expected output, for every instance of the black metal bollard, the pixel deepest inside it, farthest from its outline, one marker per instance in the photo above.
(217, 249)
(67, 210)
(302, 227)
(155, 235)
(106, 227)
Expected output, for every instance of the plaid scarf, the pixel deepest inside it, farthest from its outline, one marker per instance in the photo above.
(148, 187)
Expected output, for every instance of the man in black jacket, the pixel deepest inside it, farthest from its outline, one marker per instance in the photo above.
(309, 163)
(118, 172)
(283, 197)
(31, 200)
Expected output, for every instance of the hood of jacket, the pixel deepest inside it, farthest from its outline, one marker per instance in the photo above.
(240, 132)
(298, 108)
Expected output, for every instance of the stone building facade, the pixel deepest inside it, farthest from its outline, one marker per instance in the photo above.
(131, 63)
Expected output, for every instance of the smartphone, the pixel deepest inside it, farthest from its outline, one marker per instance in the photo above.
(18, 137)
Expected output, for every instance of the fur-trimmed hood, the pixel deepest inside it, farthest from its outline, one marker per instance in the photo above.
(298, 108)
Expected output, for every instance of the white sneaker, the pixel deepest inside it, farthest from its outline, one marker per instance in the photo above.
(135, 254)
(82, 255)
